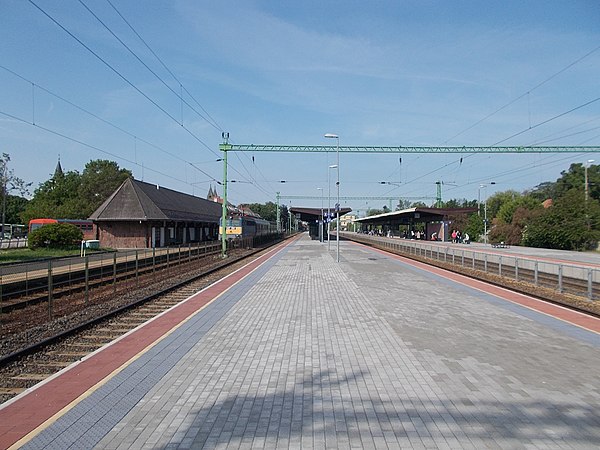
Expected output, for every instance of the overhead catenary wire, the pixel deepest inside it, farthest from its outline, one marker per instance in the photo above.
(525, 94)
(212, 121)
(86, 111)
(85, 144)
(124, 78)
(178, 95)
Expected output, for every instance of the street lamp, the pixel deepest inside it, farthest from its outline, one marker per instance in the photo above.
(484, 208)
(337, 206)
(334, 166)
(587, 188)
(321, 222)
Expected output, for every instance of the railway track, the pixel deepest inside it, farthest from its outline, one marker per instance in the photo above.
(25, 367)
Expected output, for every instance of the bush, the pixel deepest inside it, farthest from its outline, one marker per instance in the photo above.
(55, 235)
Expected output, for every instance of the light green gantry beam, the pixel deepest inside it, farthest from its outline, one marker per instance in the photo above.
(401, 149)
(315, 197)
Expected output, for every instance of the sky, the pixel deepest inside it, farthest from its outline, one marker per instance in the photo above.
(152, 85)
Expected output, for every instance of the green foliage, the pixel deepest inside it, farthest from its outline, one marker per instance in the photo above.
(512, 232)
(574, 178)
(26, 254)
(75, 196)
(495, 201)
(474, 227)
(100, 178)
(402, 204)
(55, 198)
(508, 208)
(15, 205)
(55, 235)
(12, 205)
(268, 211)
(374, 212)
(460, 203)
(569, 224)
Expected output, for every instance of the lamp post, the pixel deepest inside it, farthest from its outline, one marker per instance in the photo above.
(587, 192)
(337, 205)
(321, 221)
(334, 166)
(484, 186)
(587, 187)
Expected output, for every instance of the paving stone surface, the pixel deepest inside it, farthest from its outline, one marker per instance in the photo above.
(367, 353)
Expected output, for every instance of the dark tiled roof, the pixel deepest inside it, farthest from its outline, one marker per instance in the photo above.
(136, 200)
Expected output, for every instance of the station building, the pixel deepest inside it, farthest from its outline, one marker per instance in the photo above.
(144, 215)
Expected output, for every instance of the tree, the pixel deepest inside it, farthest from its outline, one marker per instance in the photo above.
(495, 202)
(569, 224)
(15, 205)
(508, 208)
(474, 227)
(267, 211)
(100, 178)
(402, 204)
(460, 203)
(56, 198)
(374, 212)
(72, 195)
(10, 183)
(573, 178)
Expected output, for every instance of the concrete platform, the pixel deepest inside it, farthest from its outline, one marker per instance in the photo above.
(373, 352)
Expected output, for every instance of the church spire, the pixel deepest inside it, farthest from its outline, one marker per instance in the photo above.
(58, 172)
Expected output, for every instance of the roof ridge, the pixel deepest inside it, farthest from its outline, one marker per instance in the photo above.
(137, 189)
(107, 202)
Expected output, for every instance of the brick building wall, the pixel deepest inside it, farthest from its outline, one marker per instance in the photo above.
(124, 235)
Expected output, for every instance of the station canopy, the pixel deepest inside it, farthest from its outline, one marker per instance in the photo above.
(312, 214)
(412, 215)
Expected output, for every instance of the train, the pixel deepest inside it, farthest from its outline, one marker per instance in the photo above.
(86, 226)
(241, 226)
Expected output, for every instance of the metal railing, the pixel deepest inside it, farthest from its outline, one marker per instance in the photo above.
(106, 273)
(582, 281)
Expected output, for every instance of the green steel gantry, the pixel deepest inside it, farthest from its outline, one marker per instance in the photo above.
(226, 147)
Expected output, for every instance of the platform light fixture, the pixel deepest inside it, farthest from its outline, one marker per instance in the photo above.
(484, 186)
(333, 166)
(321, 222)
(337, 205)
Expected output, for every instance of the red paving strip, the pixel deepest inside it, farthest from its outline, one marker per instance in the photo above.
(559, 312)
(21, 417)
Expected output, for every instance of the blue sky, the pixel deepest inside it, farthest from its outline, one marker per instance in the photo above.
(419, 73)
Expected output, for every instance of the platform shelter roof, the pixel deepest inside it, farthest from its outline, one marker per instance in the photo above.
(419, 214)
(139, 201)
(311, 214)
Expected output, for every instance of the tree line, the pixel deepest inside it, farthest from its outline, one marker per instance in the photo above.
(564, 214)
(555, 214)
